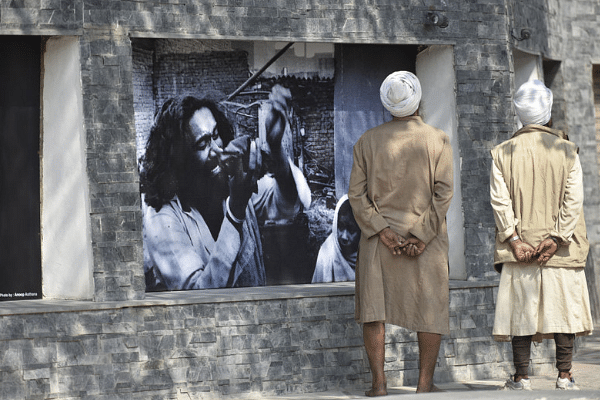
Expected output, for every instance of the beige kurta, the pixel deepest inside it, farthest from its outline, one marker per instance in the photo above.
(402, 178)
(536, 189)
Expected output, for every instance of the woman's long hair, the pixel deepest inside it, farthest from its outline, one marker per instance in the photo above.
(163, 164)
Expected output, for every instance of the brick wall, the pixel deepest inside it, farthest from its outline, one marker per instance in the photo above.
(481, 32)
(201, 348)
(143, 101)
(126, 347)
(111, 166)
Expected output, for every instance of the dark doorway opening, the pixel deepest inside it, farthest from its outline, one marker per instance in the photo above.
(20, 245)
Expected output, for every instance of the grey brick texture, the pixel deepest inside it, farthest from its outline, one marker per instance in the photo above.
(218, 349)
(299, 344)
(482, 32)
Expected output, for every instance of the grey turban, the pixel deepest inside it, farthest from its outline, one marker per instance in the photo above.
(533, 102)
(400, 93)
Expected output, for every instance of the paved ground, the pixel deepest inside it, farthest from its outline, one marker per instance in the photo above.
(586, 371)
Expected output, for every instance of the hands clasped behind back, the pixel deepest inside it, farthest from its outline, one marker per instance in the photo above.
(414, 247)
(526, 253)
(546, 250)
(398, 245)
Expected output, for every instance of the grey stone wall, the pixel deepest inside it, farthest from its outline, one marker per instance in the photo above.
(482, 63)
(124, 347)
(481, 32)
(111, 165)
(581, 22)
(246, 342)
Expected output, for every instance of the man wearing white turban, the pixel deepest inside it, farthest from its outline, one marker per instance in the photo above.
(536, 191)
(400, 190)
(533, 102)
(400, 93)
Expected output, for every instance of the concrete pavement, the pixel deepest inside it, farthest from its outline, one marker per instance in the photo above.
(586, 371)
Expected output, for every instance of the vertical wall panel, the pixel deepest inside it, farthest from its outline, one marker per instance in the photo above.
(19, 168)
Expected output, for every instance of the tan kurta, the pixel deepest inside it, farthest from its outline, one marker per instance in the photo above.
(402, 178)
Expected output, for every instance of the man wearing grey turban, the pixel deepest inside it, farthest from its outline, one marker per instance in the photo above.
(400, 190)
(536, 191)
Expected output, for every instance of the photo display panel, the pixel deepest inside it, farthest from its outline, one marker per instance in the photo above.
(244, 151)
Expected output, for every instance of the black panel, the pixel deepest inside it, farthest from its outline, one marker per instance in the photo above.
(20, 246)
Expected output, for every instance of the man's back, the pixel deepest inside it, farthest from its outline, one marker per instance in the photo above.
(400, 158)
(536, 164)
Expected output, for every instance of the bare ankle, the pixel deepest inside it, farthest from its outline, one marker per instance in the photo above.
(377, 389)
(428, 388)
(564, 374)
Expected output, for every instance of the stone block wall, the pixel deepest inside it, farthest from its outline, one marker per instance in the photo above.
(115, 209)
(581, 23)
(122, 346)
(228, 344)
(106, 27)
(480, 31)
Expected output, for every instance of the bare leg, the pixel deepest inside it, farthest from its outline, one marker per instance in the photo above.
(429, 348)
(374, 337)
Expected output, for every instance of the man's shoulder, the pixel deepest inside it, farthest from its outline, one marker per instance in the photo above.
(168, 211)
(437, 132)
(434, 134)
(520, 139)
(506, 143)
(368, 135)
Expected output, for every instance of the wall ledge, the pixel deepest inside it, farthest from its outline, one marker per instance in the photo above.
(26, 307)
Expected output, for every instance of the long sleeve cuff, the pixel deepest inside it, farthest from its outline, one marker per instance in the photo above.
(563, 240)
(505, 234)
(378, 223)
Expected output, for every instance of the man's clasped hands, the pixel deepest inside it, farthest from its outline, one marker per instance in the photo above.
(526, 253)
(398, 245)
(523, 251)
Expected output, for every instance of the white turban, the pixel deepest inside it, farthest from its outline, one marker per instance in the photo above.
(533, 102)
(400, 93)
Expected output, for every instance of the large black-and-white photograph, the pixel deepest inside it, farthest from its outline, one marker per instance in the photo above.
(245, 150)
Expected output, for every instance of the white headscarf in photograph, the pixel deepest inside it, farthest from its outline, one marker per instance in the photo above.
(533, 103)
(400, 93)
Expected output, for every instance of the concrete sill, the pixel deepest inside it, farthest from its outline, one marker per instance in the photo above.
(23, 307)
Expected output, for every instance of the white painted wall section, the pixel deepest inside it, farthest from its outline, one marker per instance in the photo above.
(435, 70)
(66, 235)
(527, 67)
